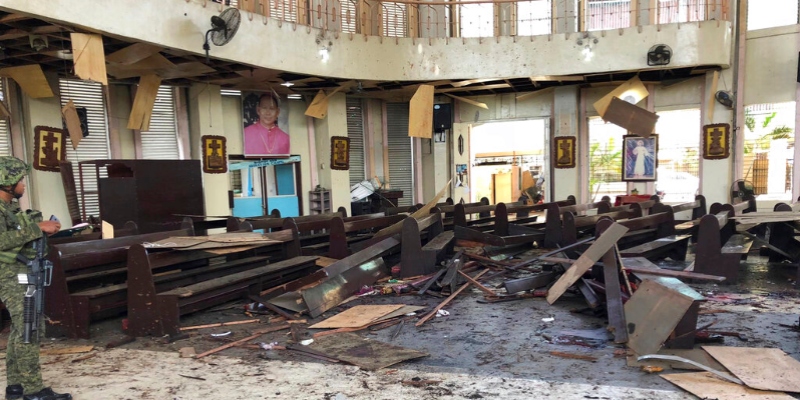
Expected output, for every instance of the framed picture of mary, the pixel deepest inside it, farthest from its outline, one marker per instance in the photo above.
(640, 160)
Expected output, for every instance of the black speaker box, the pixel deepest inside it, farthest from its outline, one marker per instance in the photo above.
(442, 117)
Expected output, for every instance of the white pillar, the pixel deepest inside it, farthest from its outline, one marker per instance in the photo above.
(565, 113)
(205, 110)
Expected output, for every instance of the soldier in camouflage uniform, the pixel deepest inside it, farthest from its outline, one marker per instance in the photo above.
(17, 231)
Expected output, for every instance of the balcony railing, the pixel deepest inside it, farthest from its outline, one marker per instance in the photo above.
(471, 18)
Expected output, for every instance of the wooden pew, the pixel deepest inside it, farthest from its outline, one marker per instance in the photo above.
(570, 228)
(783, 239)
(165, 285)
(84, 266)
(129, 229)
(273, 224)
(417, 258)
(653, 237)
(720, 249)
(344, 233)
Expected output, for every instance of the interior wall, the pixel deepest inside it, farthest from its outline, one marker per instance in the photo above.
(771, 65)
(120, 105)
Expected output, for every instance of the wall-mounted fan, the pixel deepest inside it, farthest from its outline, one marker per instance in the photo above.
(659, 54)
(725, 98)
(223, 28)
(741, 190)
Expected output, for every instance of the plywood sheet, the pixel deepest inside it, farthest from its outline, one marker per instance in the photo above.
(631, 117)
(357, 316)
(652, 313)
(707, 386)
(420, 113)
(600, 246)
(31, 80)
(89, 57)
(155, 64)
(73, 124)
(319, 106)
(760, 368)
(368, 354)
(632, 91)
(143, 102)
(400, 312)
(133, 53)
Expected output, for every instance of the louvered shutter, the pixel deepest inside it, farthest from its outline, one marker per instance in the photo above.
(394, 19)
(400, 160)
(161, 141)
(5, 135)
(355, 131)
(349, 16)
(93, 147)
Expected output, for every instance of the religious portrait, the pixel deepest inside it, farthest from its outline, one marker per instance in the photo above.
(564, 151)
(340, 153)
(215, 156)
(50, 148)
(716, 141)
(639, 158)
(266, 125)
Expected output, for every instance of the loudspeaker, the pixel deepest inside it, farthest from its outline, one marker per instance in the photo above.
(442, 117)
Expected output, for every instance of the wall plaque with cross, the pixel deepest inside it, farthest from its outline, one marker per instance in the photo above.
(340, 153)
(215, 154)
(716, 141)
(564, 151)
(50, 148)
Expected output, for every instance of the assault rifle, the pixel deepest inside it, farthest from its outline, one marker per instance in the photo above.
(39, 276)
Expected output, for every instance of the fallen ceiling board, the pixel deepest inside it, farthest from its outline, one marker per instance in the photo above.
(133, 53)
(632, 91)
(400, 312)
(706, 386)
(760, 368)
(89, 57)
(631, 117)
(319, 106)
(600, 246)
(31, 80)
(332, 291)
(357, 316)
(420, 113)
(143, 102)
(652, 313)
(73, 123)
(370, 355)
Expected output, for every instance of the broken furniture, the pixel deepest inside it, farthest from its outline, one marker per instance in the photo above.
(653, 237)
(85, 278)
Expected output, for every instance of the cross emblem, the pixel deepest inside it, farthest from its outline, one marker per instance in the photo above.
(51, 149)
(565, 153)
(215, 160)
(340, 153)
(715, 147)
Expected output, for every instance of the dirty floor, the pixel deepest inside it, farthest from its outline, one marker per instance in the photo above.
(479, 351)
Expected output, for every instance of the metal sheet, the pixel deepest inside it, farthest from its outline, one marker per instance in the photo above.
(336, 289)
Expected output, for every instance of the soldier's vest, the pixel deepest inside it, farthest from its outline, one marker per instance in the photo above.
(20, 220)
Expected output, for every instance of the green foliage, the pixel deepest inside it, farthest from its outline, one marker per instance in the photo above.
(605, 165)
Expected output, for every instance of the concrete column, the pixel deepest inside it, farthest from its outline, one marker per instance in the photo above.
(565, 16)
(334, 124)
(205, 118)
(119, 107)
(45, 191)
(716, 175)
(565, 112)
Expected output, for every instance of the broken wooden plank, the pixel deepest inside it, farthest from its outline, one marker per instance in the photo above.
(614, 309)
(649, 271)
(652, 313)
(245, 340)
(448, 300)
(357, 316)
(477, 284)
(603, 243)
(528, 282)
(704, 385)
(247, 321)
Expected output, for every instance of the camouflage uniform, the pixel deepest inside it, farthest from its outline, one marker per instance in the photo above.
(17, 231)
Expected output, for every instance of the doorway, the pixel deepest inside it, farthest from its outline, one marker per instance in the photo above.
(509, 158)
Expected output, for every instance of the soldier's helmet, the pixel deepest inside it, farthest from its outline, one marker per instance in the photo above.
(12, 170)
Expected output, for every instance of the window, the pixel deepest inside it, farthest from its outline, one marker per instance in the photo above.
(673, 11)
(161, 141)
(394, 19)
(93, 147)
(349, 16)
(605, 160)
(355, 131)
(533, 17)
(769, 149)
(5, 132)
(608, 14)
(770, 14)
(678, 155)
(477, 20)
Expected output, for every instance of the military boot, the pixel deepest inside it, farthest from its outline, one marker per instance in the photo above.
(47, 394)
(13, 392)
